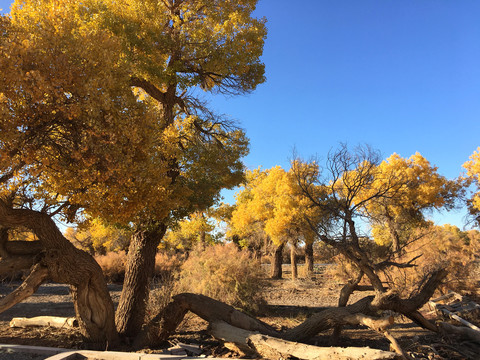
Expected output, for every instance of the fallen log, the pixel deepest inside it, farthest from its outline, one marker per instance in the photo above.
(53, 321)
(271, 347)
(461, 330)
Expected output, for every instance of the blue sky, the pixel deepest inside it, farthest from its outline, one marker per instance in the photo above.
(402, 76)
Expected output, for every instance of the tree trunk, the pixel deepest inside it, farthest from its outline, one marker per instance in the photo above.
(394, 236)
(293, 261)
(140, 267)
(277, 260)
(309, 259)
(69, 265)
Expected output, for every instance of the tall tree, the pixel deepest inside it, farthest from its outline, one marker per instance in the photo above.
(143, 157)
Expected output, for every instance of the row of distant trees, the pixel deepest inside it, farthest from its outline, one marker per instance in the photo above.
(278, 209)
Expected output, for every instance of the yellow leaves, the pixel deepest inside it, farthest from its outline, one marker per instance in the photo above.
(473, 172)
(272, 199)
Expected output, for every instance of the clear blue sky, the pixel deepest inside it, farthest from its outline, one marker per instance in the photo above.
(402, 76)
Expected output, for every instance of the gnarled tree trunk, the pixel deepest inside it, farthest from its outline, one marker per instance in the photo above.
(139, 271)
(69, 265)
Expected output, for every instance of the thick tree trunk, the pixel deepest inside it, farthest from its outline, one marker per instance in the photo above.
(309, 259)
(293, 261)
(131, 310)
(277, 260)
(69, 265)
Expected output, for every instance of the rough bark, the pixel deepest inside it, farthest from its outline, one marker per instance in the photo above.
(139, 271)
(277, 260)
(394, 236)
(293, 261)
(309, 259)
(69, 265)
(13, 264)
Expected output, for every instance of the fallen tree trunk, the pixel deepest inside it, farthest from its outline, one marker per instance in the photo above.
(211, 310)
(274, 348)
(461, 330)
(53, 321)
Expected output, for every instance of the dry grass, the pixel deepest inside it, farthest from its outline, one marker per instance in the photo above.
(113, 265)
(224, 273)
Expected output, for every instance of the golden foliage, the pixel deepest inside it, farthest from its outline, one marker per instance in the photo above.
(473, 172)
(271, 199)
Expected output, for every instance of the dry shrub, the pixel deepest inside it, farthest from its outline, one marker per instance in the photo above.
(113, 265)
(167, 264)
(224, 273)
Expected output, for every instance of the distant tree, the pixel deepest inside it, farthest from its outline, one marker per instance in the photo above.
(473, 175)
(98, 238)
(196, 230)
(271, 207)
(402, 209)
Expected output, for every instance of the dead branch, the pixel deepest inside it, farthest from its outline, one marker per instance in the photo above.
(460, 330)
(273, 348)
(53, 321)
(207, 308)
(37, 276)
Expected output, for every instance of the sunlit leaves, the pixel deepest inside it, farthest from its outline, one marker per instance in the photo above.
(72, 126)
(473, 172)
(271, 201)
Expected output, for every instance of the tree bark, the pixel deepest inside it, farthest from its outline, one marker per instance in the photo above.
(293, 261)
(394, 236)
(345, 293)
(277, 260)
(309, 258)
(140, 267)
